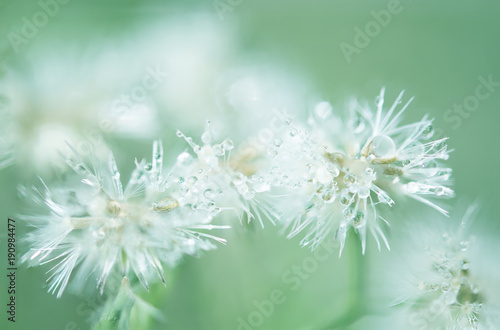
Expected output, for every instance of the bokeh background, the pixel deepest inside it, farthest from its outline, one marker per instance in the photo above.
(233, 62)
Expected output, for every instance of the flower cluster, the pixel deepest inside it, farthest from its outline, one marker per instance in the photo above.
(98, 226)
(341, 168)
(330, 176)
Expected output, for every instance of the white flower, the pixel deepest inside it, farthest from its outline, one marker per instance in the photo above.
(221, 178)
(443, 276)
(339, 171)
(96, 227)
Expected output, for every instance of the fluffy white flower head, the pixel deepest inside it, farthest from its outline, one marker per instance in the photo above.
(97, 226)
(446, 277)
(221, 177)
(341, 169)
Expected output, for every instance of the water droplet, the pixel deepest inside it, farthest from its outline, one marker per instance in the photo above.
(239, 179)
(358, 220)
(148, 167)
(165, 205)
(206, 137)
(323, 175)
(382, 147)
(349, 179)
(191, 180)
(275, 171)
(428, 132)
(384, 198)
(363, 192)
(345, 200)
(99, 234)
(431, 164)
(272, 152)
(179, 133)
(228, 144)
(333, 170)
(320, 190)
(288, 121)
(278, 142)
(348, 213)
(445, 286)
(293, 131)
(464, 245)
(309, 167)
(328, 197)
(209, 193)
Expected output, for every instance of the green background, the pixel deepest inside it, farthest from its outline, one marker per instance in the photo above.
(435, 51)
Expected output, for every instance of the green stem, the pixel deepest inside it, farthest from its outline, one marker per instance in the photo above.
(117, 312)
(358, 276)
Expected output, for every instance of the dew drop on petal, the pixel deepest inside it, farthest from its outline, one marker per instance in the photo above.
(359, 219)
(428, 132)
(99, 234)
(166, 204)
(209, 193)
(445, 286)
(344, 200)
(206, 137)
(272, 152)
(328, 197)
(218, 151)
(323, 175)
(228, 144)
(348, 213)
(363, 192)
(333, 170)
(191, 180)
(275, 171)
(382, 147)
(350, 179)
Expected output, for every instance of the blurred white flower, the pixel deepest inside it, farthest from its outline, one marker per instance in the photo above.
(339, 171)
(54, 97)
(444, 277)
(96, 226)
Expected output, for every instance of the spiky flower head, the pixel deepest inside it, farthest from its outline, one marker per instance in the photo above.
(443, 277)
(222, 178)
(95, 227)
(342, 169)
